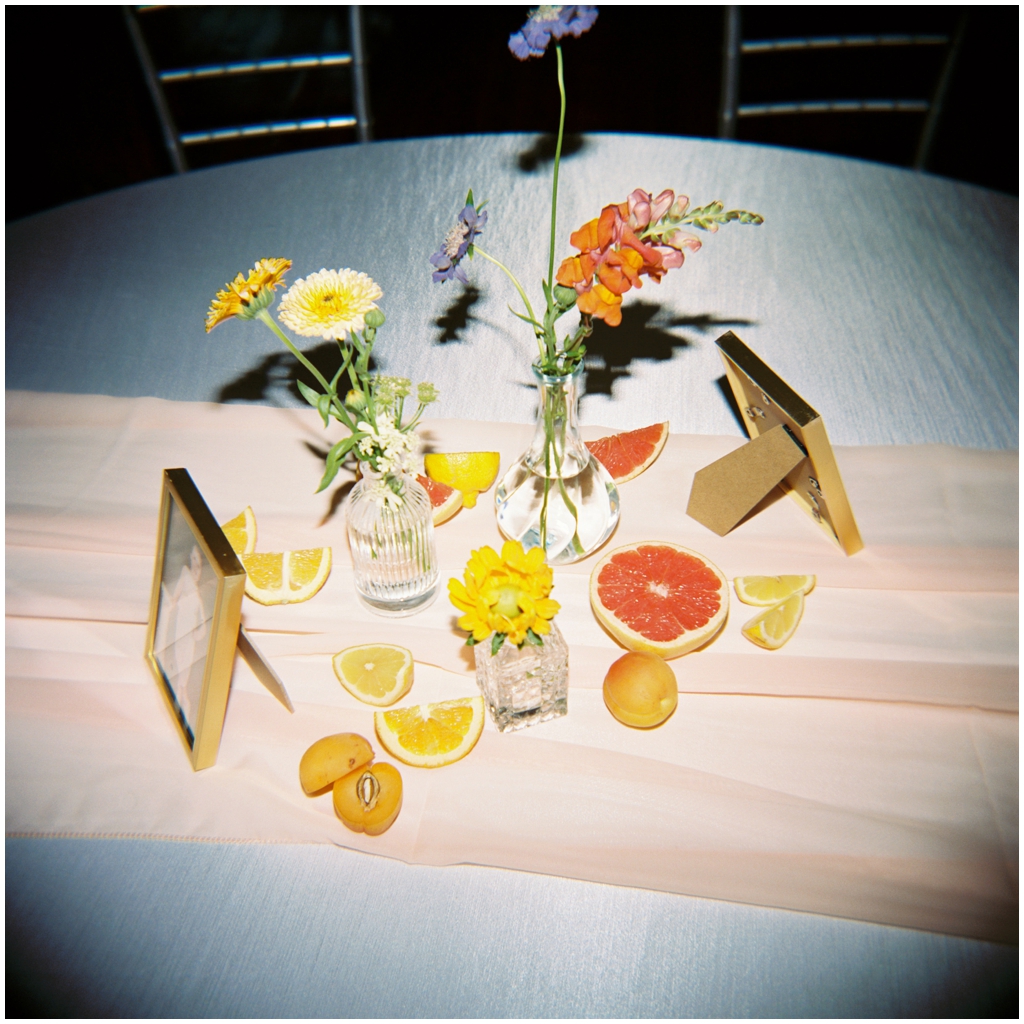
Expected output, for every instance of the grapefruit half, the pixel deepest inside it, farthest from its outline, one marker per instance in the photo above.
(444, 500)
(628, 455)
(658, 597)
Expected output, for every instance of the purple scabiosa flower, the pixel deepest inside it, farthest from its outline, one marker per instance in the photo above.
(456, 244)
(550, 22)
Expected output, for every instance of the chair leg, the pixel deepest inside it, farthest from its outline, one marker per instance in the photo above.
(362, 96)
(931, 124)
(167, 126)
(730, 74)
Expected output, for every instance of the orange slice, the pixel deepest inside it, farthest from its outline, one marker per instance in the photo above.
(627, 455)
(286, 577)
(658, 597)
(431, 735)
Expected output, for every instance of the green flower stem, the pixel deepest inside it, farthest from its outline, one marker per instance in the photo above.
(554, 178)
(339, 406)
(512, 278)
(265, 316)
(556, 412)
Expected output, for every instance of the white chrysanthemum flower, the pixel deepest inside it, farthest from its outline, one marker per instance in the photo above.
(329, 304)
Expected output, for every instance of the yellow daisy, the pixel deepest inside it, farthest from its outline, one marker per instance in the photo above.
(329, 304)
(505, 594)
(241, 296)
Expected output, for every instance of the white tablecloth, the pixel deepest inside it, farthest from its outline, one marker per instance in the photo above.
(888, 299)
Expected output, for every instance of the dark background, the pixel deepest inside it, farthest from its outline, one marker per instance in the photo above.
(81, 121)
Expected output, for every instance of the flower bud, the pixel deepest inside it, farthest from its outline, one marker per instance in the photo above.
(565, 297)
(374, 318)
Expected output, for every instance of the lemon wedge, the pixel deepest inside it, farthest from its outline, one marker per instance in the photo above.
(765, 591)
(431, 735)
(772, 628)
(469, 472)
(375, 673)
(241, 532)
(285, 577)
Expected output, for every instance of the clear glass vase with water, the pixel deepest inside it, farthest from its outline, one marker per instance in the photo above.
(557, 495)
(391, 536)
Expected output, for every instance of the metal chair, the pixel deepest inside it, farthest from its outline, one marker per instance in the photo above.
(926, 58)
(219, 73)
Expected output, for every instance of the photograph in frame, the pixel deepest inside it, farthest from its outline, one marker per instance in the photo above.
(195, 614)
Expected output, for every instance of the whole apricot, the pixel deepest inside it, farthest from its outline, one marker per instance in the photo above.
(640, 690)
(369, 798)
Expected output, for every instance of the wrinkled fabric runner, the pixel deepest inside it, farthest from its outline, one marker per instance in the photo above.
(866, 770)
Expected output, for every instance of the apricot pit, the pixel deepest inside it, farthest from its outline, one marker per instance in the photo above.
(369, 798)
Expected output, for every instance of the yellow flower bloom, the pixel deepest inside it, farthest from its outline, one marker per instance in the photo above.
(329, 304)
(505, 594)
(240, 295)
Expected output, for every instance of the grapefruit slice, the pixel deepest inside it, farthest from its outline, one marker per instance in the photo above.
(444, 500)
(658, 597)
(628, 455)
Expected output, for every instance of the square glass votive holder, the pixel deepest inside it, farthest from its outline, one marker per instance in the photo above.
(524, 685)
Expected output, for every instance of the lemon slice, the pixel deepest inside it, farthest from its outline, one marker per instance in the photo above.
(286, 577)
(469, 472)
(375, 673)
(765, 591)
(431, 735)
(772, 628)
(241, 532)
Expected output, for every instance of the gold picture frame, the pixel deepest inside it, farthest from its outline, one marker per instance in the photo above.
(195, 613)
(789, 448)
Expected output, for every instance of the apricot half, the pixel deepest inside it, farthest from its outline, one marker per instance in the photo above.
(640, 690)
(331, 758)
(369, 799)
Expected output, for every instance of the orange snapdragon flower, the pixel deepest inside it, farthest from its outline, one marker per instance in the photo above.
(613, 258)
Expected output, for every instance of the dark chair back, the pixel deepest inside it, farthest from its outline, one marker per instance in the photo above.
(866, 82)
(230, 83)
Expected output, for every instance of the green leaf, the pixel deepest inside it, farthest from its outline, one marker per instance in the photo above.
(472, 641)
(534, 639)
(311, 396)
(329, 474)
(469, 198)
(496, 641)
(529, 320)
(323, 404)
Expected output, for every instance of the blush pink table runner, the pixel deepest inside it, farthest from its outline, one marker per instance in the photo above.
(866, 770)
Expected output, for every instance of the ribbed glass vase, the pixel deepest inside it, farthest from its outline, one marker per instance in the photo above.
(391, 536)
(557, 495)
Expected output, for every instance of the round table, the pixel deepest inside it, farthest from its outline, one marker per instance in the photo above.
(887, 298)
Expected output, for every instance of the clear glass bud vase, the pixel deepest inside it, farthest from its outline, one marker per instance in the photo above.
(524, 685)
(391, 536)
(557, 495)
